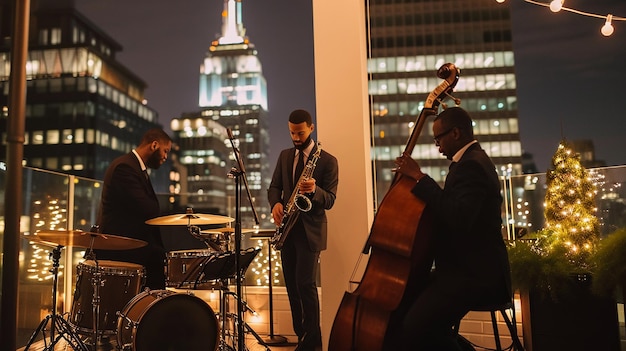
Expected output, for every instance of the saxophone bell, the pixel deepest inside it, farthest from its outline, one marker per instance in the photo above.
(303, 203)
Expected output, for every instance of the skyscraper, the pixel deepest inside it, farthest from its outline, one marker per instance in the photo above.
(409, 41)
(83, 107)
(233, 95)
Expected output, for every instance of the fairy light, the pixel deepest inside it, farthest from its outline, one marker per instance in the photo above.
(557, 5)
(607, 29)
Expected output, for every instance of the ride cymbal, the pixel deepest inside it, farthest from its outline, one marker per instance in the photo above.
(225, 230)
(190, 219)
(79, 238)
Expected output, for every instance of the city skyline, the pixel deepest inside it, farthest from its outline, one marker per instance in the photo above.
(567, 72)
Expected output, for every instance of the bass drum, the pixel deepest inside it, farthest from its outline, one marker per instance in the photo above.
(162, 320)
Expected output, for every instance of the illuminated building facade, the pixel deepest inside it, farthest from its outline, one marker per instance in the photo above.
(410, 40)
(232, 94)
(83, 108)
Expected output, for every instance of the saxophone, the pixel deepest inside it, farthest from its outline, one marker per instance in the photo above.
(297, 203)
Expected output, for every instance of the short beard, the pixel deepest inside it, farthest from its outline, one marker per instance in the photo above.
(304, 145)
(154, 161)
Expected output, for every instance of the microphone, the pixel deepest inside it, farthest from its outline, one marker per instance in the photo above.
(230, 134)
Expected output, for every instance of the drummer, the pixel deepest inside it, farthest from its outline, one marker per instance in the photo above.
(128, 200)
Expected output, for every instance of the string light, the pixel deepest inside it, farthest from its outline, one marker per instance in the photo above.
(607, 29)
(557, 5)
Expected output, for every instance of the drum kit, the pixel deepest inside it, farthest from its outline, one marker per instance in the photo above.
(108, 303)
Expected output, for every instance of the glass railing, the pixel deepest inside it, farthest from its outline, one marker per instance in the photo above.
(54, 201)
(50, 201)
(524, 198)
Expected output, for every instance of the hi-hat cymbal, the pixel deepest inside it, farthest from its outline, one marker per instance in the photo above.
(225, 230)
(190, 219)
(79, 238)
(263, 233)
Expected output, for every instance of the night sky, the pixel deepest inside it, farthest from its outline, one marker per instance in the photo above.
(569, 76)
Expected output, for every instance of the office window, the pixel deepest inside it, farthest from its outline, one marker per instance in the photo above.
(79, 136)
(55, 36)
(36, 162)
(52, 163)
(66, 163)
(91, 136)
(67, 136)
(43, 36)
(79, 163)
(52, 137)
(37, 137)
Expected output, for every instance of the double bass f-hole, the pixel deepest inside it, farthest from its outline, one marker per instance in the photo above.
(400, 256)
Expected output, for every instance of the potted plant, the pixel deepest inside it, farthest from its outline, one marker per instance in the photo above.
(610, 266)
(554, 269)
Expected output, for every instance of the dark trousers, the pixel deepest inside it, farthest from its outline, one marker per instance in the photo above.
(446, 299)
(300, 270)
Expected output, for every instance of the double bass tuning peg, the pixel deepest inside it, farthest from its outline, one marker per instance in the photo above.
(457, 101)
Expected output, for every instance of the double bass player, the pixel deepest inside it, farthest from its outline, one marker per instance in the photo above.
(471, 264)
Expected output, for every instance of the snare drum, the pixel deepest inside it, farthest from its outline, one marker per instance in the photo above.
(162, 320)
(185, 266)
(119, 282)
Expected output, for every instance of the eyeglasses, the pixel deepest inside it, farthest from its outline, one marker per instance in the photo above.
(438, 137)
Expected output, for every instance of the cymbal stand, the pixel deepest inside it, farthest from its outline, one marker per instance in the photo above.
(272, 338)
(220, 268)
(195, 231)
(239, 174)
(56, 321)
(96, 282)
(225, 293)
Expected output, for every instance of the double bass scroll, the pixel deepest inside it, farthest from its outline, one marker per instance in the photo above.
(400, 256)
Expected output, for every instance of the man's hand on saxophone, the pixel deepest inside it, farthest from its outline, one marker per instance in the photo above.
(278, 212)
(307, 186)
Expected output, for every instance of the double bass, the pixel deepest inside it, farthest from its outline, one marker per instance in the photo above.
(400, 257)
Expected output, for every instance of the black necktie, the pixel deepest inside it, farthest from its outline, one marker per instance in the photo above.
(299, 166)
(452, 165)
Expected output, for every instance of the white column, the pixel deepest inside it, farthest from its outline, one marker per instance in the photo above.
(343, 128)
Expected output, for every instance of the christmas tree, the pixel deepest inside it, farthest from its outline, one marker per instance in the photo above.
(570, 205)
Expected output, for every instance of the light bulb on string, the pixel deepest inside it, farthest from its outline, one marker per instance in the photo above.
(556, 5)
(607, 29)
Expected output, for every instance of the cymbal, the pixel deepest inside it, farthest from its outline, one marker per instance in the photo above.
(263, 233)
(79, 238)
(190, 219)
(225, 230)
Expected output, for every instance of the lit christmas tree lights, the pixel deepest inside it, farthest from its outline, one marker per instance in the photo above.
(570, 209)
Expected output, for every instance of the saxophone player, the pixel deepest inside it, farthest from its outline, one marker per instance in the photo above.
(305, 240)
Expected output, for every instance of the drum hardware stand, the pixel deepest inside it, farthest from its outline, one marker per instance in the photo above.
(96, 282)
(240, 174)
(272, 339)
(57, 321)
(195, 231)
(224, 314)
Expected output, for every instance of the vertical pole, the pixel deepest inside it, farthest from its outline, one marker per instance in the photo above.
(13, 186)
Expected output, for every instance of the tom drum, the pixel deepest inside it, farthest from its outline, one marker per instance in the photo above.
(119, 283)
(185, 266)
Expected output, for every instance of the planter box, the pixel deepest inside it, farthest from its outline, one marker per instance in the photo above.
(579, 321)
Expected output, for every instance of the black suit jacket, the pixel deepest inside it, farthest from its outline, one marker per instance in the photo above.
(468, 239)
(128, 200)
(326, 175)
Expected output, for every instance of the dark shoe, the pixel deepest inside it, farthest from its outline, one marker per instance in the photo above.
(309, 343)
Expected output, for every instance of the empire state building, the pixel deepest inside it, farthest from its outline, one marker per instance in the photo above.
(232, 95)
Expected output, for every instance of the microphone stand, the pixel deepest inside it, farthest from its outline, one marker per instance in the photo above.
(237, 174)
